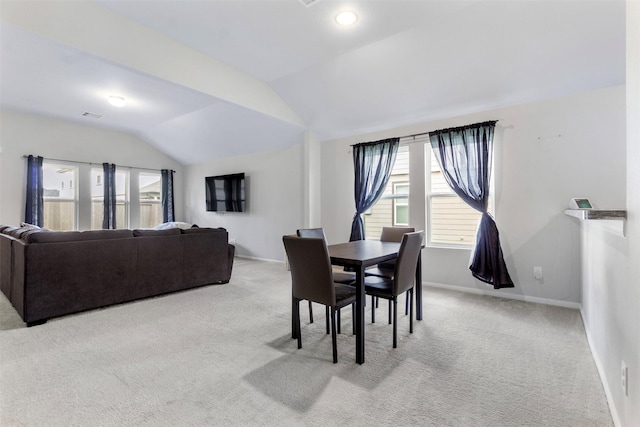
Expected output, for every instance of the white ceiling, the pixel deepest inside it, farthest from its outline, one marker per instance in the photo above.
(212, 79)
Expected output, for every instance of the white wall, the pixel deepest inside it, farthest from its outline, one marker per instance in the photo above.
(275, 200)
(545, 153)
(22, 134)
(611, 267)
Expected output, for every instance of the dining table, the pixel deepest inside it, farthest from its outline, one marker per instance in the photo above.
(356, 256)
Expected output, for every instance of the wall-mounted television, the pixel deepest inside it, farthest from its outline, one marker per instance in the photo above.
(226, 193)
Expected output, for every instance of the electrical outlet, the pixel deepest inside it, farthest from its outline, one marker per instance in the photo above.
(537, 273)
(624, 378)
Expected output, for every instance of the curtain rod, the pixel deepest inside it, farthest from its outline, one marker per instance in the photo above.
(97, 164)
(439, 130)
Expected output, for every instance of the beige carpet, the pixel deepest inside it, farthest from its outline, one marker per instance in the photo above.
(222, 355)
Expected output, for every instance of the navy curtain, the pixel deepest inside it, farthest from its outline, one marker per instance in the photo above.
(373, 162)
(167, 196)
(34, 212)
(109, 183)
(465, 155)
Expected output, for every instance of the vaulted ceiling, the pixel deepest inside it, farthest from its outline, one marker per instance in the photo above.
(212, 79)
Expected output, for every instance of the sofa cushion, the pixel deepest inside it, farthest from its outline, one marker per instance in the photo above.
(151, 233)
(75, 236)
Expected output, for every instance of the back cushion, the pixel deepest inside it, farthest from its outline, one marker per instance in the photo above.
(201, 230)
(76, 236)
(152, 233)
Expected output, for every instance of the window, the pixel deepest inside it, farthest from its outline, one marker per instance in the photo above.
(60, 205)
(393, 207)
(401, 205)
(450, 221)
(97, 198)
(150, 185)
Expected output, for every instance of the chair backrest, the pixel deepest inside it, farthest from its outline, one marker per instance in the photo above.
(407, 261)
(394, 234)
(311, 232)
(311, 276)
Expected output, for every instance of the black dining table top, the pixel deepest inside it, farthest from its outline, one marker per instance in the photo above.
(363, 252)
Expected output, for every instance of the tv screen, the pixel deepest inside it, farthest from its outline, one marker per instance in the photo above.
(226, 193)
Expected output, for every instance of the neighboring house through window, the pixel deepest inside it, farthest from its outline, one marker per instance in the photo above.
(450, 221)
(393, 207)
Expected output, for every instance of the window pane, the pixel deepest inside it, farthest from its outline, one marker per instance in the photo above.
(150, 200)
(97, 197)
(402, 215)
(453, 222)
(389, 211)
(60, 200)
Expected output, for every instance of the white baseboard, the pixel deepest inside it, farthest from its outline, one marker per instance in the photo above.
(259, 259)
(603, 378)
(494, 293)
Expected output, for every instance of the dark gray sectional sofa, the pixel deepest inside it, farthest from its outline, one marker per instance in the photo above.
(47, 274)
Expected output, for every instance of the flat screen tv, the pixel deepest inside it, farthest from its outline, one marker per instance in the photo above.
(226, 193)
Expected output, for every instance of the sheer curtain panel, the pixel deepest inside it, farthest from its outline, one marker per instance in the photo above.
(34, 210)
(109, 183)
(373, 162)
(167, 196)
(465, 155)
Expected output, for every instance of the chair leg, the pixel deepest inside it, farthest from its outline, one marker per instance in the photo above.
(338, 315)
(334, 339)
(327, 316)
(410, 293)
(297, 317)
(373, 309)
(377, 301)
(310, 313)
(389, 311)
(406, 304)
(395, 322)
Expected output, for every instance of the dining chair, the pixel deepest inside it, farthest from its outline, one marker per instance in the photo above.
(339, 277)
(386, 268)
(403, 278)
(312, 279)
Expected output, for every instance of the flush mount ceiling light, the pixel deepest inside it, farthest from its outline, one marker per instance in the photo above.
(346, 18)
(117, 101)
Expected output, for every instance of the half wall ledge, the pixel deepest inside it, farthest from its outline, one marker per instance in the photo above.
(614, 220)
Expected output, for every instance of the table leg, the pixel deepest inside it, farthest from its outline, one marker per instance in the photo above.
(360, 304)
(419, 288)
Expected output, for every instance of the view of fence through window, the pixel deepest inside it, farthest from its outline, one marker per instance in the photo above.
(60, 196)
(150, 200)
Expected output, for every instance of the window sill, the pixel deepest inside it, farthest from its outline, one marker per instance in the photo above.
(450, 246)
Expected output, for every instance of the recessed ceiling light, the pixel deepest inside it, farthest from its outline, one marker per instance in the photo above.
(346, 18)
(117, 101)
